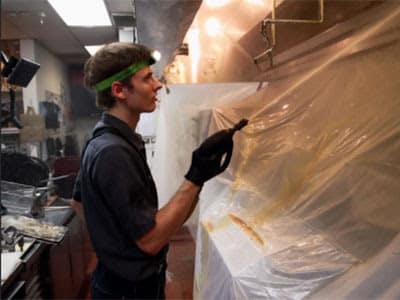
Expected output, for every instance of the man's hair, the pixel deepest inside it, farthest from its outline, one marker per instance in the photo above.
(109, 60)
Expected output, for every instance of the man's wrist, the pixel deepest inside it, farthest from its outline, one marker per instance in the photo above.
(190, 185)
(192, 179)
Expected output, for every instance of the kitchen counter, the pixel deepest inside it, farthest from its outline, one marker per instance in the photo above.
(28, 265)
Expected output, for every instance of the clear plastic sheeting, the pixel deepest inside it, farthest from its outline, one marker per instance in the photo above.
(183, 122)
(309, 206)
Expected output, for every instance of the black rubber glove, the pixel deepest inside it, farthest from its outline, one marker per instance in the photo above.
(206, 160)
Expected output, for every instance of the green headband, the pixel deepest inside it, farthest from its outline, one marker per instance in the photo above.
(106, 83)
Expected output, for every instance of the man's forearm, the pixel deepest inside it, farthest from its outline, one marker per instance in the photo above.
(170, 218)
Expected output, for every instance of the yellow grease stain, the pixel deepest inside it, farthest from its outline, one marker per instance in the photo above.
(247, 229)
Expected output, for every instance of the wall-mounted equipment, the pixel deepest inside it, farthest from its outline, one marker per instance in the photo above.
(271, 42)
(183, 49)
(19, 72)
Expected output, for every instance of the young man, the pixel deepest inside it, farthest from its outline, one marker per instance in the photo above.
(128, 232)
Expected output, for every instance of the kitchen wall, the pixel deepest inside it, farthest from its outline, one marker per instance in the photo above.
(51, 81)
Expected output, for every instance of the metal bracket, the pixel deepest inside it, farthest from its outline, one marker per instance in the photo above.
(272, 21)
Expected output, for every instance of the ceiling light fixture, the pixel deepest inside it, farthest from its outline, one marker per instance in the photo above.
(42, 15)
(86, 13)
(93, 49)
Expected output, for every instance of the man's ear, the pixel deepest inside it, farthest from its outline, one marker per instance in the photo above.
(117, 90)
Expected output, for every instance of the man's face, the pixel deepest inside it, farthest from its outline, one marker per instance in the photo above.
(142, 96)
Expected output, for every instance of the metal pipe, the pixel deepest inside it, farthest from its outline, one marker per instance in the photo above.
(274, 21)
(264, 32)
(273, 15)
(260, 57)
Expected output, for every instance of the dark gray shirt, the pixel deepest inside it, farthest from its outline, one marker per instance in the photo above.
(119, 199)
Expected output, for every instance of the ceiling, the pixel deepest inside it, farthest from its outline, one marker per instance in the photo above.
(160, 25)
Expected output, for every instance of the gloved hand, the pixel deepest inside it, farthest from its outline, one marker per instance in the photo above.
(206, 160)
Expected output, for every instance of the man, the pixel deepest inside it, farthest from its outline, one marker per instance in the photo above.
(128, 232)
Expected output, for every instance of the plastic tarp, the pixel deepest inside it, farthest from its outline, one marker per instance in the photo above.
(310, 204)
(183, 122)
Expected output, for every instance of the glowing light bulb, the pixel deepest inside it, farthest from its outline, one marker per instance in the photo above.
(156, 55)
(213, 27)
(194, 44)
(256, 2)
(217, 3)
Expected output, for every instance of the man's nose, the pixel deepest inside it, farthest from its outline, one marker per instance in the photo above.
(157, 84)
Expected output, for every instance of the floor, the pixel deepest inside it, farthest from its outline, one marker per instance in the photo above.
(180, 267)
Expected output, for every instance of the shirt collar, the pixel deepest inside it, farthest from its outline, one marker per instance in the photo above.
(108, 120)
